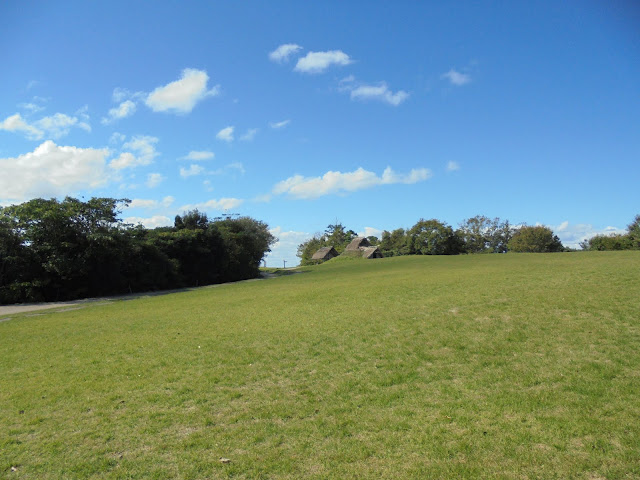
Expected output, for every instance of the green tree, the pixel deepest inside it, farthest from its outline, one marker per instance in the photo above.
(432, 237)
(481, 234)
(191, 220)
(246, 242)
(338, 237)
(393, 244)
(614, 241)
(633, 231)
(308, 248)
(538, 239)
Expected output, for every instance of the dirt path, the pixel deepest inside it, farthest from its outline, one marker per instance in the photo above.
(6, 310)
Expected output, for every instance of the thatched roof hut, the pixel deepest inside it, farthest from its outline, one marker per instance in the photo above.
(371, 252)
(358, 243)
(325, 253)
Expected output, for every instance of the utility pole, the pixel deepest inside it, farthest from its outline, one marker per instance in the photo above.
(285, 263)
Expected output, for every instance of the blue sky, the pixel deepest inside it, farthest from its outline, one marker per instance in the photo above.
(301, 114)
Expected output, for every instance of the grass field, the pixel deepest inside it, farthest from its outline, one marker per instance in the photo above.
(517, 366)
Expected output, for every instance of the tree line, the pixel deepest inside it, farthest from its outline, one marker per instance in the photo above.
(478, 234)
(54, 250)
(624, 241)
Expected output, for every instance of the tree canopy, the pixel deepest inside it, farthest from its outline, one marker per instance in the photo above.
(538, 239)
(58, 250)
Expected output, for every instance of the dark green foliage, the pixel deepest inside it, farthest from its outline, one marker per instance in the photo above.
(608, 242)
(536, 239)
(308, 248)
(58, 250)
(394, 243)
(432, 237)
(246, 241)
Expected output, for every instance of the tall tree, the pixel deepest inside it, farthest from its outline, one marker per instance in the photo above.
(538, 239)
(432, 237)
(481, 234)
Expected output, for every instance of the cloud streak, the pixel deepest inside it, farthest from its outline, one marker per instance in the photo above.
(283, 52)
(222, 204)
(457, 78)
(181, 96)
(55, 126)
(125, 109)
(319, 62)
(198, 156)
(226, 134)
(308, 188)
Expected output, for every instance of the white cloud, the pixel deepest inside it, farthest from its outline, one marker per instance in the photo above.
(370, 231)
(154, 179)
(51, 170)
(222, 204)
(266, 198)
(55, 126)
(286, 247)
(182, 95)
(277, 125)
(32, 107)
(226, 134)
(125, 109)
(117, 137)
(207, 185)
(120, 94)
(151, 204)
(82, 113)
(143, 145)
(339, 183)
(457, 78)
(15, 123)
(249, 135)
(142, 203)
(318, 62)
(232, 166)
(125, 160)
(379, 92)
(198, 156)
(193, 169)
(151, 222)
(453, 166)
(59, 124)
(283, 52)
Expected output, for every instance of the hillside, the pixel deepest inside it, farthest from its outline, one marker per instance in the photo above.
(486, 366)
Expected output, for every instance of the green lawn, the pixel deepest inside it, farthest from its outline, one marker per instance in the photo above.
(517, 366)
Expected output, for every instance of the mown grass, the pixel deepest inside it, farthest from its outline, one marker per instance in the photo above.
(490, 366)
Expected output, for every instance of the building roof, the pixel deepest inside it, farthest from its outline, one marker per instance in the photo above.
(371, 252)
(324, 252)
(358, 243)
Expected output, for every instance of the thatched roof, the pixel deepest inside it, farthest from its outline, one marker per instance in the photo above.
(325, 253)
(358, 243)
(372, 252)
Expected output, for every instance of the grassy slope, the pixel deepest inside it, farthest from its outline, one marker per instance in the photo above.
(495, 366)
